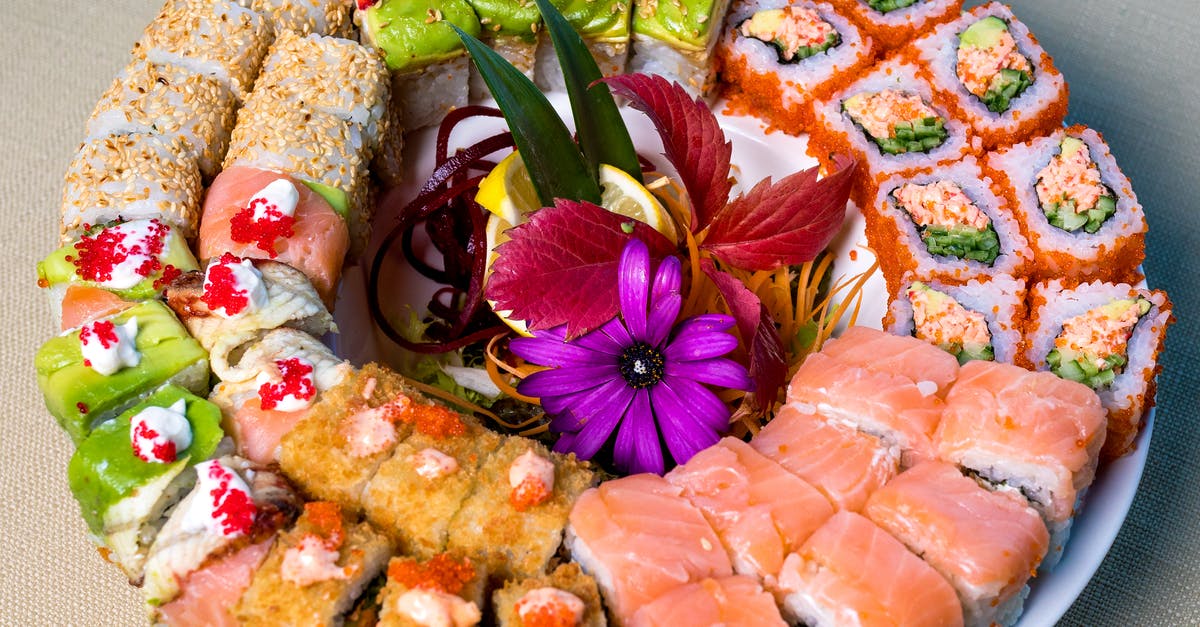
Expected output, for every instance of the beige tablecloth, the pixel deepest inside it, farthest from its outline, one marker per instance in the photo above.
(1132, 72)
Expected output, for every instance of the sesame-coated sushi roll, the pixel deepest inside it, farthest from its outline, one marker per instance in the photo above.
(442, 590)
(892, 23)
(1075, 205)
(132, 177)
(315, 571)
(986, 544)
(216, 38)
(981, 319)
(988, 69)
(889, 121)
(415, 493)
(567, 594)
(949, 222)
(511, 28)
(781, 55)
(305, 17)
(430, 67)
(1106, 336)
(676, 40)
(168, 100)
(514, 517)
(605, 28)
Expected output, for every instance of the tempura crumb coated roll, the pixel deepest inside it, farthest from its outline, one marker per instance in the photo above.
(1106, 336)
(335, 451)
(1075, 205)
(567, 594)
(315, 571)
(676, 40)
(604, 26)
(442, 590)
(948, 222)
(132, 177)
(172, 101)
(988, 69)
(215, 38)
(781, 55)
(981, 319)
(415, 494)
(892, 23)
(986, 544)
(304, 17)
(513, 519)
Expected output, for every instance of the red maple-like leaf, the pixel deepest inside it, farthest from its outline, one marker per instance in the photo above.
(691, 136)
(784, 223)
(560, 267)
(768, 364)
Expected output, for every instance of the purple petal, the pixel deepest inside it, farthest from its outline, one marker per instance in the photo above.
(600, 341)
(560, 381)
(564, 443)
(662, 315)
(633, 285)
(684, 434)
(572, 411)
(637, 448)
(667, 279)
(724, 373)
(599, 426)
(700, 402)
(550, 352)
(558, 333)
(705, 323)
(616, 332)
(693, 346)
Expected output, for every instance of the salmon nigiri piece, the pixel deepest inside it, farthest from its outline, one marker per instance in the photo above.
(640, 539)
(851, 572)
(1028, 430)
(736, 601)
(83, 304)
(208, 593)
(760, 511)
(843, 464)
(319, 237)
(864, 347)
(986, 544)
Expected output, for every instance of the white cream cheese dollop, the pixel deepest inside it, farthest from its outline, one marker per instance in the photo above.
(159, 434)
(108, 347)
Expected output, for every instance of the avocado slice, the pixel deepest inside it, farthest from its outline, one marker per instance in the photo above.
(687, 25)
(56, 270)
(984, 33)
(1070, 146)
(417, 33)
(79, 397)
(508, 18)
(337, 198)
(598, 20)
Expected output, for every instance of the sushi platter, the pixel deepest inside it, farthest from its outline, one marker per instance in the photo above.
(396, 312)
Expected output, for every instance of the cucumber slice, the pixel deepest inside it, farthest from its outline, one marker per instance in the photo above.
(1070, 370)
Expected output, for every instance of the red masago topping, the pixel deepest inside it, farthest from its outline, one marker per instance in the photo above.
(222, 289)
(98, 255)
(163, 450)
(233, 509)
(103, 331)
(296, 381)
(261, 222)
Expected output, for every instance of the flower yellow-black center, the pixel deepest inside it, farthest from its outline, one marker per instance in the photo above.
(641, 365)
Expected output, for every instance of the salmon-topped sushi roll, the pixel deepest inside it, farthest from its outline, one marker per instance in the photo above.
(760, 511)
(442, 590)
(1026, 431)
(209, 593)
(986, 544)
(640, 539)
(982, 319)
(851, 572)
(567, 596)
(864, 347)
(737, 601)
(842, 463)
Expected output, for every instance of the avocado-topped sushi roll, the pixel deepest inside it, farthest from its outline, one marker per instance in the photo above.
(315, 571)
(890, 122)
(93, 373)
(305, 17)
(168, 100)
(217, 38)
(567, 595)
(442, 590)
(1106, 336)
(511, 28)
(430, 67)
(677, 39)
(989, 70)
(949, 222)
(604, 26)
(131, 470)
(781, 55)
(893, 23)
(1077, 208)
(981, 319)
(132, 177)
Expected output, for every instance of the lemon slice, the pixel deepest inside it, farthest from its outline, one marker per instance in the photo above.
(623, 195)
(507, 190)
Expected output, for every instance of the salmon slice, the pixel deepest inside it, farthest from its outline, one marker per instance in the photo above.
(640, 539)
(851, 572)
(728, 601)
(986, 544)
(209, 592)
(891, 407)
(258, 431)
(877, 351)
(760, 511)
(82, 304)
(320, 236)
(843, 464)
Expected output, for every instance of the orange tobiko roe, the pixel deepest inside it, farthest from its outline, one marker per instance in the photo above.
(529, 493)
(325, 517)
(550, 615)
(441, 573)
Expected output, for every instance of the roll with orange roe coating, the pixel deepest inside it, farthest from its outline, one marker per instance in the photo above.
(893, 23)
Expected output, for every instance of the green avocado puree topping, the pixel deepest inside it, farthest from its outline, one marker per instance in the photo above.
(416, 33)
(691, 25)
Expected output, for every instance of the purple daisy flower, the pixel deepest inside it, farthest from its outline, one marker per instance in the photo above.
(638, 374)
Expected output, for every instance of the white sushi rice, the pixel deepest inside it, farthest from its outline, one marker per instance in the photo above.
(1014, 249)
(1000, 298)
(518, 51)
(424, 96)
(321, 17)
(939, 51)
(902, 75)
(610, 57)
(1021, 164)
(307, 144)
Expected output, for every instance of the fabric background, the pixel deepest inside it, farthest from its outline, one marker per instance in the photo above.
(1131, 68)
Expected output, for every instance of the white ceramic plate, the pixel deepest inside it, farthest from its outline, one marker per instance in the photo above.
(757, 155)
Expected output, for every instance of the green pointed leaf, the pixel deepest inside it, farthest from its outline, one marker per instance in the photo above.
(598, 124)
(555, 165)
